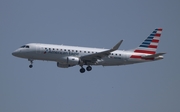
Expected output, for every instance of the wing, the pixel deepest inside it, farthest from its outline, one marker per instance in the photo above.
(99, 55)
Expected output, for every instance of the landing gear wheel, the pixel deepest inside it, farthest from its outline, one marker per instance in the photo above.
(88, 68)
(82, 70)
(31, 61)
(30, 66)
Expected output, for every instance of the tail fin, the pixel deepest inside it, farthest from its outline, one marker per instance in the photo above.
(149, 46)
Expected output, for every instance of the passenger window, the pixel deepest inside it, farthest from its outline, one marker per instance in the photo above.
(64, 49)
(88, 52)
(76, 51)
(84, 51)
(68, 50)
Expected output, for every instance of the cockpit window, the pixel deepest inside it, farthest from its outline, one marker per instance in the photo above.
(25, 46)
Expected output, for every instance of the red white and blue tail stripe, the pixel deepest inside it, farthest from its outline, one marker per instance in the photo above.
(149, 46)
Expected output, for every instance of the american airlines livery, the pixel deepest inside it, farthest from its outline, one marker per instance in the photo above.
(68, 56)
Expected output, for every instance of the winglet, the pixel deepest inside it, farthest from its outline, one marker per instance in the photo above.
(117, 45)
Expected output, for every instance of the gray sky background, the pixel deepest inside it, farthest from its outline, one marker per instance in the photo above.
(146, 87)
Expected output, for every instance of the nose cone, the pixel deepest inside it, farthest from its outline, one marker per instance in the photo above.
(15, 53)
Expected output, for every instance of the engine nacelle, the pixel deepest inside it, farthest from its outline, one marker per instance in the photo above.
(61, 65)
(73, 60)
(69, 62)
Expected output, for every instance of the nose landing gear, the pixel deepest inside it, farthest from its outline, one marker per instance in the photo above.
(31, 65)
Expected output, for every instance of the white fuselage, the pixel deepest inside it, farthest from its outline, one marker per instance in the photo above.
(68, 56)
(59, 53)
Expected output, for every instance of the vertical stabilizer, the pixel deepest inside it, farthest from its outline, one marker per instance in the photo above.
(149, 46)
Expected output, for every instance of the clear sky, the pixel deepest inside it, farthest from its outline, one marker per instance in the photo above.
(146, 87)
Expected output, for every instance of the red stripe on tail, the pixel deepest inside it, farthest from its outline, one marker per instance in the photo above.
(159, 29)
(140, 57)
(156, 41)
(157, 34)
(135, 56)
(144, 51)
(152, 46)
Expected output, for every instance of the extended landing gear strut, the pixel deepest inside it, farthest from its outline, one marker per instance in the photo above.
(31, 65)
(88, 68)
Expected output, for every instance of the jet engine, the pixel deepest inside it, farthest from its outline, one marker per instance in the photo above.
(61, 65)
(73, 60)
(69, 62)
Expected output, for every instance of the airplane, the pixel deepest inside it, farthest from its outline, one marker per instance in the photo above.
(69, 56)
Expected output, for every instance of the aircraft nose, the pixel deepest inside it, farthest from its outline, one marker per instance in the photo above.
(15, 53)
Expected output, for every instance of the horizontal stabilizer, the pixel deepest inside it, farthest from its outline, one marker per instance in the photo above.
(154, 55)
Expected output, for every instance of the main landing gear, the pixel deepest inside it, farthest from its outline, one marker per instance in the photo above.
(31, 65)
(88, 68)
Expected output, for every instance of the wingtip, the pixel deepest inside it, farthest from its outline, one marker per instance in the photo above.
(117, 45)
(120, 41)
